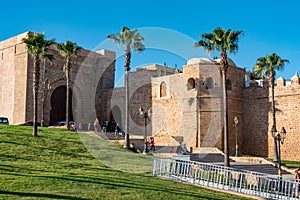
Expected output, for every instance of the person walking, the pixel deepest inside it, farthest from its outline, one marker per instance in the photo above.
(116, 130)
(96, 124)
(152, 144)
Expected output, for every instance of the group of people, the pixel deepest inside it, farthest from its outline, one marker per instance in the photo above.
(108, 126)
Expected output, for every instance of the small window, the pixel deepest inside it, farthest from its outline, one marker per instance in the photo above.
(191, 83)
(163, 89)
(228, 84)
(209, 83)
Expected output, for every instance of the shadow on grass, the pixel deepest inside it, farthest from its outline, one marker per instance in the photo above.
(133, 184)
(49, 196)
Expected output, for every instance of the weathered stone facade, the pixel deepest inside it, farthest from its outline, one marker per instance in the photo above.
(184, 107)
(91, 83)
(140, 91)
(192, 108)
(258, 119)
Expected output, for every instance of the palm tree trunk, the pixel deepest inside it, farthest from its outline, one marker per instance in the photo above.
(224, 67)
(67, 92)
(127, 69)
(36, 79)
(225, 118)
(43, 93)
(197, 120)
(272, 82)
(127, 58)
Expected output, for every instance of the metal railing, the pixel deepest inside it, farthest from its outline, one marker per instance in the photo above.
(226, 178)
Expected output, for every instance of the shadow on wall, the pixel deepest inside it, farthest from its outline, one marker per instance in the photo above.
(256, 108)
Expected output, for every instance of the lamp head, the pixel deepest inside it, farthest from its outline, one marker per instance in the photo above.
(141, 111)
(283, 132)
(236, 120)
(273, 130)
(149, 113)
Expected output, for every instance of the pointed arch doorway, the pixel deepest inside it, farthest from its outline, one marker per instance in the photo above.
(58, 105)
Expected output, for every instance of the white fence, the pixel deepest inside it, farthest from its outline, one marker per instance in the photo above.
(225, 178)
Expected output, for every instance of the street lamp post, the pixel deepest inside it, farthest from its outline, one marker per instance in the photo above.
(145, 115)
(279, 138)
(236, 121)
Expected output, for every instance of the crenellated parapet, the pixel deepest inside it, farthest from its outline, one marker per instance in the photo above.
(287, 88)
(258, 119)
(294, 81)
(281, 85)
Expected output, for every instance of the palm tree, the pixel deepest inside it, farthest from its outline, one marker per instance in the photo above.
(37, 47)
(222, 41)
(132, 41)
(266, 67)
(68, 50)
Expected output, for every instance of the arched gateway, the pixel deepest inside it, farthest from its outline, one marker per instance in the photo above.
(58, 109)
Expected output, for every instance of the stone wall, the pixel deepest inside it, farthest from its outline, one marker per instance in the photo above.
(190, 112)
(13, 80)
(170, 111)
(211, 105)
(258, 119)
(91, 75)
(140, 91)
(91, 72)
(287, 102)
(194, 113)
(255, 121)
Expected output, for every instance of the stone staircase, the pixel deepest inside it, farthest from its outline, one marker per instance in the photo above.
(250, 164)
(205, 155)
(216, 157)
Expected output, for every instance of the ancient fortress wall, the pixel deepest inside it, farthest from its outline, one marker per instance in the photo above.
(140, 95)
(90, 72)
(287, 102)
(191, 110)
(13, 82)
(256, 108)
(258, 120)
(185, 107)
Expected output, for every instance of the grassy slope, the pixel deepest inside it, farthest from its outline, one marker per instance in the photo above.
(56, 165)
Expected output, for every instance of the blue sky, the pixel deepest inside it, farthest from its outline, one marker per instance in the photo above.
(269, 26)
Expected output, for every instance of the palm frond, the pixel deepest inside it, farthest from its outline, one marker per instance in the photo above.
(68, 48)
(38, 46)
(268, 65)
(49, 57)
(220, 40)
(129, 37)
(138, 46)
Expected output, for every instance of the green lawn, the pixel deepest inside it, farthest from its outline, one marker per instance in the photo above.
(60, 164)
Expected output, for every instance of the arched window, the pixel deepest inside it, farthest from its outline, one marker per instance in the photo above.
(209, 83)
(191, 83)
(163, 89)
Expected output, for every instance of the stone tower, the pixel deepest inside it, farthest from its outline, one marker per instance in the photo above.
(92, 72)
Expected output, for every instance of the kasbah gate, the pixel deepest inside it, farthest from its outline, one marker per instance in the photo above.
(186, 106)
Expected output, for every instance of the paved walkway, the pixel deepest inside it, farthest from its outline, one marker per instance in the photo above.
(251, 164)
(244, 164)
(255, 164)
